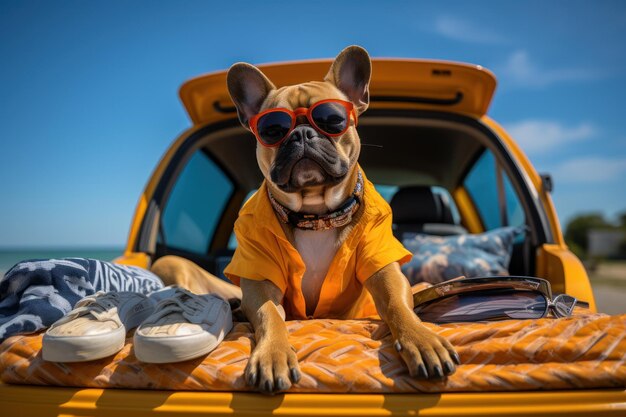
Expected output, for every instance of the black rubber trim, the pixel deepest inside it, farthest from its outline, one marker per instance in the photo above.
(143, 239)
(421, 100)
(223, 109)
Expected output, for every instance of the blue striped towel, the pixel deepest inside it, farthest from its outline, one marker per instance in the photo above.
(36, 293)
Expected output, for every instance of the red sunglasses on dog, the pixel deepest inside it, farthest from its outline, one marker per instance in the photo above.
(330, 117)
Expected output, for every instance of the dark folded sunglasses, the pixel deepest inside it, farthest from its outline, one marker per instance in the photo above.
(491, 298)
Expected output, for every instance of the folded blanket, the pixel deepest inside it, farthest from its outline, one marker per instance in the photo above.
(34, 294)
(345, 356)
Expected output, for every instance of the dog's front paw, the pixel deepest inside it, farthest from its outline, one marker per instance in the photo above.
(426, 354)
(273, 367)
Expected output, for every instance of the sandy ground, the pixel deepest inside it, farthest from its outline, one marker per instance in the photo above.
(610, 301)
(608, 281)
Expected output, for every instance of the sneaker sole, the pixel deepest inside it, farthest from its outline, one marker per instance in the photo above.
(82, 348)
(173, 349)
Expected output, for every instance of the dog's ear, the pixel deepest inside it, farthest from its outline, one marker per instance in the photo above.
(248, 87)
(351, 72)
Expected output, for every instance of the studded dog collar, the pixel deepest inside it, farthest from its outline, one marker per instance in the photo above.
(340, 217)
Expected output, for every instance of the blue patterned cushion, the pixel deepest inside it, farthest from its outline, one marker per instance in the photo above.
(437, 259)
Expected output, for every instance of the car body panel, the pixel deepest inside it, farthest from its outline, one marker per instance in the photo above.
(566, 272)
(18, 400)
(437, 82)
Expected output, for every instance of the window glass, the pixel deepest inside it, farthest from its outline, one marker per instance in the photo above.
(195, 205)
(386, 191)
(446, 197)
(232, 241)
(482, 186)
(515, 212)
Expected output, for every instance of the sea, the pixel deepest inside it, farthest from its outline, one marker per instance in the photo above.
(9, 257)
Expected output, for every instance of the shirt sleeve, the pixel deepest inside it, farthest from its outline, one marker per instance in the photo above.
(379, 248)
(256, 258)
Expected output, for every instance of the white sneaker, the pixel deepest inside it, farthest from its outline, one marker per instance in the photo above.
(182, 327)
(96, 327)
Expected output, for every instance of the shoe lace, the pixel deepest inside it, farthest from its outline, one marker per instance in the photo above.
(101, 305)
(190, 305)
(101, 300)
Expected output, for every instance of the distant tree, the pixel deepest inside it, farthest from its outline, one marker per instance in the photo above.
(578, 251)
(576, 232)
(622, 220)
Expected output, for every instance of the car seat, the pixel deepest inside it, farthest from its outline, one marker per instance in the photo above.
(419, 209)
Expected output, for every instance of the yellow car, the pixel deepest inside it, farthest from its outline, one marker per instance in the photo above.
(427, 126)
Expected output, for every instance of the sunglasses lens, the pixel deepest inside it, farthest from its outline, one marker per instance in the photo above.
(483, 306)
(331, 118)
(564, 304)
(273, 127)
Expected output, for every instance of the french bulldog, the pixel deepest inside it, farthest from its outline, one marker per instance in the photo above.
(310, 167)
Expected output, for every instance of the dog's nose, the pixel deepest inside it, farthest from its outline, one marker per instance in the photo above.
(301, 133)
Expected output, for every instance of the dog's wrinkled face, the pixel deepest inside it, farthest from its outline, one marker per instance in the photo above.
(308, 158)
(309, 171)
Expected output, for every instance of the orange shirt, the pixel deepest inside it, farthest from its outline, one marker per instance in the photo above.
(264, 253)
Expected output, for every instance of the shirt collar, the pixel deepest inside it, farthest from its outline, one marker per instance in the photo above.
(260, 208)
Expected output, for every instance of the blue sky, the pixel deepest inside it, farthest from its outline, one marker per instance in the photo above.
(89, 101)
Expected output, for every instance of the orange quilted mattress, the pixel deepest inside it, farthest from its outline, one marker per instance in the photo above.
(588, 351)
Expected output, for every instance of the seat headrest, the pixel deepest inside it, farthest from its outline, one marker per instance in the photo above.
(419, 204)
